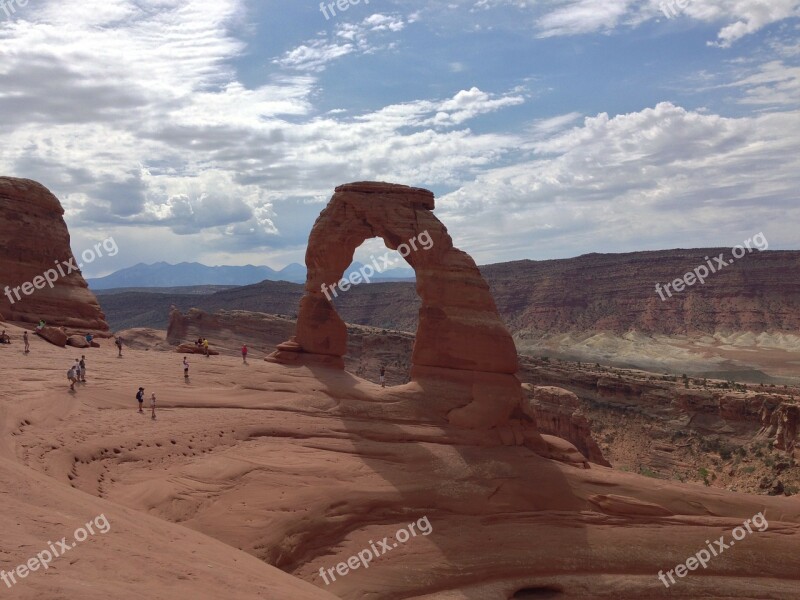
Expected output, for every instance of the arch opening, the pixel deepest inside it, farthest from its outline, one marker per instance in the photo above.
(460, 336)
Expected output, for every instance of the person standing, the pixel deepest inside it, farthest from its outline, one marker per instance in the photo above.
(82, 365)
(118, 342)
(383, 376)
(27, 342)
(153, 405)
(244, 353)
(140, 399)
(185, 368)
(205, 346)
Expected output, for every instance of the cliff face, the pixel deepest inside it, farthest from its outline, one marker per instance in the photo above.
(34, 243)
(617, 293)
(595, 293)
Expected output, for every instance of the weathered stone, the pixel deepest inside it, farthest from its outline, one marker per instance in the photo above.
(460, 331)
(34, 240)
(54, 335)
(77, 341)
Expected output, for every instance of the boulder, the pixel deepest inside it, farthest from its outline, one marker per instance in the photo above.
(194, 349)
(77, 341)
(54, 335)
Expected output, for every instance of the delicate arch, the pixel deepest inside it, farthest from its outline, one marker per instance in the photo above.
(459, 329)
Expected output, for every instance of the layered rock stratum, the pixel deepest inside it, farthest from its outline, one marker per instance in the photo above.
(34, 240)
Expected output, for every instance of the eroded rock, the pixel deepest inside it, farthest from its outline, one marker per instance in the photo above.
(34, 240)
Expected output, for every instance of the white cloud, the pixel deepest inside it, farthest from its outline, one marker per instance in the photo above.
(314, 55)
(772, 84)
(738, 18)
(659, 178)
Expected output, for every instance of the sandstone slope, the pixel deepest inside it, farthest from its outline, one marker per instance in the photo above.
(302, 467)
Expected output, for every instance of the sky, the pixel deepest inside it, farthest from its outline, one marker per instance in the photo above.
(216, 130)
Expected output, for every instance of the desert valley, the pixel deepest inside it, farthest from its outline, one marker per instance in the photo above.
(528, 476)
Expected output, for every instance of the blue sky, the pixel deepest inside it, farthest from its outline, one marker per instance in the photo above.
(216, 130)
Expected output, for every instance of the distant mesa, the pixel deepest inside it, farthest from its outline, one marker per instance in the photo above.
(33, 238)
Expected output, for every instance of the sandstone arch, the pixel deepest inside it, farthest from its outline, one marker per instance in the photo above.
(460, 338)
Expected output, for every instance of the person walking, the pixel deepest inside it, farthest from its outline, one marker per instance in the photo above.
(73, 378)
(140, 399)
(244, 354)
(82, 365)
(185, 368)
(27, 342)
(205, 346)
(118, 342)
(153, 405)
(383, 376)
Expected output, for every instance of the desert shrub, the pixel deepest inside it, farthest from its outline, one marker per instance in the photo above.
(648, 472)
(703, 473)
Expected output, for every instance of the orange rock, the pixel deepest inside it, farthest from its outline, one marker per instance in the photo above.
(460, 331)
(35, 240)
(54, 335)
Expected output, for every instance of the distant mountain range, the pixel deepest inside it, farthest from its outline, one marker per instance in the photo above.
(165, 275)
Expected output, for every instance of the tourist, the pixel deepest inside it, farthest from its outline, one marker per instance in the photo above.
(27, 342)
(4, 339)
(185, 368)
(118, 342)
(383, 376)
(244, 354)
(140, 399)
(89, 338)
(199, 342)
(153, 405)
(73, 378)
(40, 326)
(82, 373)
(205, 346)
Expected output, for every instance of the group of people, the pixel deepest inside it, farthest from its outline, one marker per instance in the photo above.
(203, 343)
(140, 400)
(6, 339)
(77, 372)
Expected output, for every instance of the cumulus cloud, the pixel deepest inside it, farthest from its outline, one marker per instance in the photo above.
(133, 113)
(658, 178)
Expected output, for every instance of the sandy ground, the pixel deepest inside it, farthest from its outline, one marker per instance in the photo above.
(249, 466)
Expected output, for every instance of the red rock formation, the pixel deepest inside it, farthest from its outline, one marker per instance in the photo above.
(33, 240)
(558, 412)
(54, 335)
(460, 338)
(781, 422)
(616, 293)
